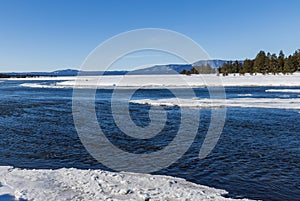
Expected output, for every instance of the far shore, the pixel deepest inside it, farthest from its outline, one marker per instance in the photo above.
(158, 81)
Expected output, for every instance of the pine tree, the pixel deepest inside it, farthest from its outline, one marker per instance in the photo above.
(267, 65)
(263, 63)
(296, 60)
(248, 66)
(274, 66)
(280, 60)
(259, 63)
(183, 72)
(235, 67)
(288, 65)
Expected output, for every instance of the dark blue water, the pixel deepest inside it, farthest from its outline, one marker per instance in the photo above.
(257, 156)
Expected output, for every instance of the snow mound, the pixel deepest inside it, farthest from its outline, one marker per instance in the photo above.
(75, 184)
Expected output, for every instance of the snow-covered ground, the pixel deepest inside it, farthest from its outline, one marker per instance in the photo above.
(170, 81)
(74, 184)
(186, 81)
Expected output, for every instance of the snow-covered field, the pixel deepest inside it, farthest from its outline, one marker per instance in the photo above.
(185, 81)
(74, 184)
(170, 81)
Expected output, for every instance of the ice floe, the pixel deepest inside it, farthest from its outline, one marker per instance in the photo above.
(276, 103)
(283, 90)
(75, 184)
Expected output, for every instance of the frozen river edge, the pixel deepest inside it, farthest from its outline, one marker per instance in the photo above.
(75, 184)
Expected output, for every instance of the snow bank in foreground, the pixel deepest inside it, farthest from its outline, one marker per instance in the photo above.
(74, 184)
(215, 103)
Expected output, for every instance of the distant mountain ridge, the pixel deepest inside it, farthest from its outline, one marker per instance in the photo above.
(178, 68)
(156, 70)
(163, 69)
(68, 72)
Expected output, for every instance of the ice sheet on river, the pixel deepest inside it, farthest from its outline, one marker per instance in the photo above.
(75, 184)
(277, 103)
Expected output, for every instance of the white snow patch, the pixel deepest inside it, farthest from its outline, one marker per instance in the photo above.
(216, 103)
(37, 85)
(74, 184)
(283, 90)
(245, 95)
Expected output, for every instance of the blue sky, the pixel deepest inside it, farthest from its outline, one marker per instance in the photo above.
(57, 34)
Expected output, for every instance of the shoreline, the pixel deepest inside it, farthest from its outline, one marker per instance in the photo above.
(71, 183)
(167, 81)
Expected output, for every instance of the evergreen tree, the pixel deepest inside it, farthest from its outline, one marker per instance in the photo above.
(236, 67)
(296, 60)
(267, 65)
(183, 72)
(225, 69)
(288, 65)
(264, 63)
(274, 66)
(280, 60)
(259, 63)
(248, 66)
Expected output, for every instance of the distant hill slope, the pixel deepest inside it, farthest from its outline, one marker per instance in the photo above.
(177, 68)
(163, 69)
(67, 72)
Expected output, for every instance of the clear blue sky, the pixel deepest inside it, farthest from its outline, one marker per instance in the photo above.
(56, 34)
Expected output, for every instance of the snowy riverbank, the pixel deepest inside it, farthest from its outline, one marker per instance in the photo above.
(185, 81)
(74, 184)
(168, 81)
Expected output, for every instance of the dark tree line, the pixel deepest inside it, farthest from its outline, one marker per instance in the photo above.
(4, 75)
(204, 69)
(264, 63)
